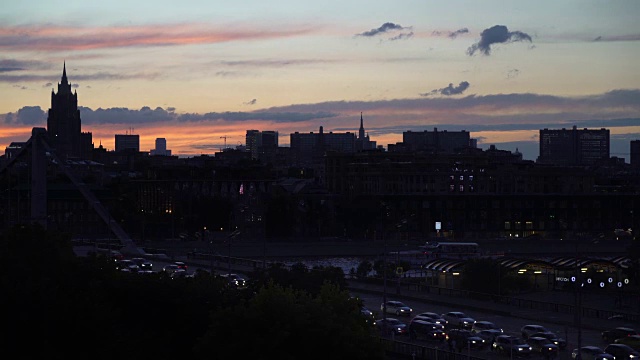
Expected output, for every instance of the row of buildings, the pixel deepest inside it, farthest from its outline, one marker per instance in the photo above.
(324, 184)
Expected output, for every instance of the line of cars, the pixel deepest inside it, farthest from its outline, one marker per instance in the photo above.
(462, 331)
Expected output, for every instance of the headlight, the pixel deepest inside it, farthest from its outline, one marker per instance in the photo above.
(520, 349)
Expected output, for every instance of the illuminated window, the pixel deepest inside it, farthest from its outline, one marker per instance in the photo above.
(452, 187)
(470, 177)
(461, 177)
(461, 188)
(507, 225)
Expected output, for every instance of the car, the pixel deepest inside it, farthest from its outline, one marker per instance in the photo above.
(127, 265)
(488, 335)
(458, 319)
(558, 341)
(528, 330)
(484, 325)
(143, 263)
(169, 269)
(179, 274)
(511, 345)
(622, 352)
(392, 326)
(590, 353)
(425, 330)
(396, 307)
(235, 280)
(631, 340)
(617, 333)
(431, 316)
(181, 265)
(465, 339)
(368, 315)
(543, 346)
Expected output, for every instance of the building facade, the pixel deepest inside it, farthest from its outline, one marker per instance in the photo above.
(573, 147)
(161, 148)
(127, 142)
(64, 125)
(437, 142)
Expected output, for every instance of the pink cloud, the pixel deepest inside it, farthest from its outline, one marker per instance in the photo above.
(63, 38)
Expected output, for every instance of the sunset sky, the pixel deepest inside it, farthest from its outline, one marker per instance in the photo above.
(194, 72)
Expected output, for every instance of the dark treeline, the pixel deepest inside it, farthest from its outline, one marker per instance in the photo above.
(56, 305)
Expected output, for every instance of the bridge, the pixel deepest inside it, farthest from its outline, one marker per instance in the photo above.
(37, 156)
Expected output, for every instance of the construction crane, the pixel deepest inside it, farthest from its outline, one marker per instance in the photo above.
(225, 140)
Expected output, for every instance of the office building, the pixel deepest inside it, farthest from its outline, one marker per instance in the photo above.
(161, 148)
(262, 144)
(307, 148)
(634, 152)
(127, 142)
(573, 147)
(437, 142)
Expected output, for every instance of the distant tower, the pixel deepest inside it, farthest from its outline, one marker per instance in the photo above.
(361, 131)
(63, 122)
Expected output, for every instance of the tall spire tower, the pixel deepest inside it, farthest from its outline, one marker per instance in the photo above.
(361, 131)
(63, 121)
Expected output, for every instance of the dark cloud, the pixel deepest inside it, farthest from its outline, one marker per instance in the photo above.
(251, 102)
(280, 117)
(402, 36)
(8, 65)
(75, 86)
(28, 115)
(598, 38)
(47, 84)
(450, 34)
(455, 34)
(386, 27)
(497, 34)
(449, 90)
(81, 77)
(125, 116)
(171, 109)
(614, 38)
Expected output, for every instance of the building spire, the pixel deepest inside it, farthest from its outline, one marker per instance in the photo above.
(361, 131)
(64, 73)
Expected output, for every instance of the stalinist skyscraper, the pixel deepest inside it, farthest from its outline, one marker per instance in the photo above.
(63, 123)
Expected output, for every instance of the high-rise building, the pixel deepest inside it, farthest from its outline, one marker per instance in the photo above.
(127, 142)
(262, 144)
(573, 146)
(634, 152)
(363, 142)
(437, 142)
(64, 125)
(161, 148)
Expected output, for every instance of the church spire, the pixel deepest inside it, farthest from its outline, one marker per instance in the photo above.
(361, 131)
(64, 73)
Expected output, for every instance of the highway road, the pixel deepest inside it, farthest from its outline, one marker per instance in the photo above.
(510, 325)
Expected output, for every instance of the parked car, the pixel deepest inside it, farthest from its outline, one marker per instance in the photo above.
(458, 319)
(543, 346)
(511, 345)
(622, 352)
(590, 353)
(179, 274)
(484, 325)
(465, 339)
(558, 341)
(426, 330)
(392, 325)
(396, 307)
(489, 335)
(631, 340)
(527, 330)
(431, 316)
(617, 333)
